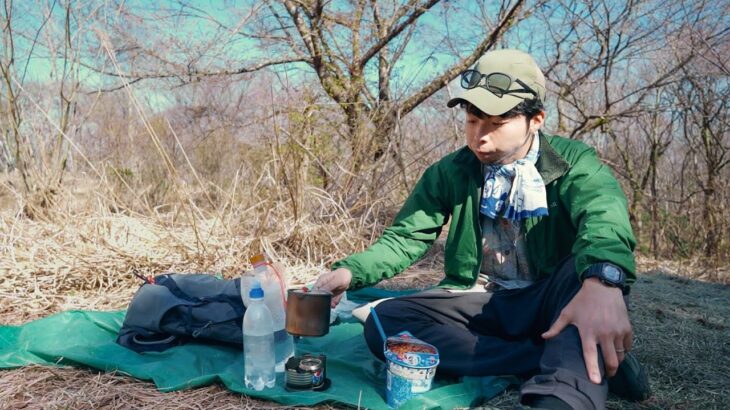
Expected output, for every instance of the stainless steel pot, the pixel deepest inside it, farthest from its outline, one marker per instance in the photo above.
(308, 312)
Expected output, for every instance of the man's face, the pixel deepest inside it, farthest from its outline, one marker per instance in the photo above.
(497, 140)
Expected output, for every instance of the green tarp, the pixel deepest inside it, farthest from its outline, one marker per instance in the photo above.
(86, 338)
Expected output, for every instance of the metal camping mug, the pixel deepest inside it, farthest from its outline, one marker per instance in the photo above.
(308, 312)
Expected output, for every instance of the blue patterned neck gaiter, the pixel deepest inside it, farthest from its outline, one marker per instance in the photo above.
(515, 191)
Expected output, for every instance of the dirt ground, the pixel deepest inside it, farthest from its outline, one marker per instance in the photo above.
(681, 328)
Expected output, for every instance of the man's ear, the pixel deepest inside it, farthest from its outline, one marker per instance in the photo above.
(537, 121)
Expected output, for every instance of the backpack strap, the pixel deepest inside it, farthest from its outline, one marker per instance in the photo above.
(217, 290)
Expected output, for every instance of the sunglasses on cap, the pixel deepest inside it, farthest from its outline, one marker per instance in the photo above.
(496, 83)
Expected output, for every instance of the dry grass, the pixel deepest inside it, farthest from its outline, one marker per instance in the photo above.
(37, 387)
(84, 251)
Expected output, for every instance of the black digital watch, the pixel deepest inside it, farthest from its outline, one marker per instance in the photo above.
(609, 274)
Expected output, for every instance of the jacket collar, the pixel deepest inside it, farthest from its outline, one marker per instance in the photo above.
(550, 164)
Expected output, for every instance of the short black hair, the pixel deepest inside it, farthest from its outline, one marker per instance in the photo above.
(528, 108)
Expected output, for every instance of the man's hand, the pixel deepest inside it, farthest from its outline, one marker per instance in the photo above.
(336, 281)
(599, 313)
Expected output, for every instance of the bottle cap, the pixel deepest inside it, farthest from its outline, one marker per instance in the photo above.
(257, 259)
(256, 292)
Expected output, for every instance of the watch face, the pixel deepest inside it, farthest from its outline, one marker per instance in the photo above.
(612, 273)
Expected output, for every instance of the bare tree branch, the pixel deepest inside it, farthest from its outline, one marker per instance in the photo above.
(192, 74)
(393, 32)
(508, 20)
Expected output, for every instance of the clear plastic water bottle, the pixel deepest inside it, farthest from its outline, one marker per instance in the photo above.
(258, 342)
(274, 285)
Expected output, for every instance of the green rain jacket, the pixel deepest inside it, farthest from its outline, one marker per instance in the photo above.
(587, 217)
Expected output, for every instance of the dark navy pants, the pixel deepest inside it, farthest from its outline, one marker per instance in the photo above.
(498, 333)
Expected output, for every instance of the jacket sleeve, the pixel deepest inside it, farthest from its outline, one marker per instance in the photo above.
(598, 211)
(415, 228)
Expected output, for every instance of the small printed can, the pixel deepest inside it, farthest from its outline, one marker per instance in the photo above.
(306, 372)
(315, 367)
(295, 378)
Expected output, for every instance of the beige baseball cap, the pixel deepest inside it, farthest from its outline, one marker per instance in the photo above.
(517, 65)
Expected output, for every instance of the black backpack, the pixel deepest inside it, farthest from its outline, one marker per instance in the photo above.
(172, 309)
